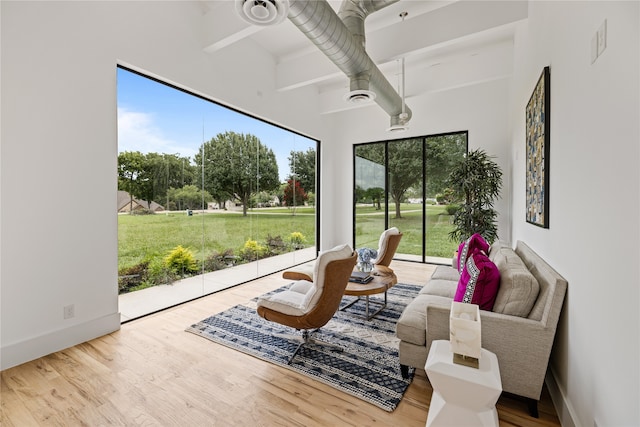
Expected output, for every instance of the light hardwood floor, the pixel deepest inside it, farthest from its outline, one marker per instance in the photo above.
(153, 373)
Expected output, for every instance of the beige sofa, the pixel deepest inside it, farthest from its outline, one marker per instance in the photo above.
(520, 330)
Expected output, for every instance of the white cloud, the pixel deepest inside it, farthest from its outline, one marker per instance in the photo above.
(138, 131)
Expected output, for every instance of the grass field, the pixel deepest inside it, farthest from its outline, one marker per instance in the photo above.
(143, 237)
(146, 236)
(369, 222)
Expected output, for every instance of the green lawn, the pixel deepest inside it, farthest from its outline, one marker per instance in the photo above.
(143, 237)
(369, 222)
(146, 236)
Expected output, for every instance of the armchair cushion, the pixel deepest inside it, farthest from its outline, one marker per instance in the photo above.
(382, 243)
(293, 301)
(336, 253)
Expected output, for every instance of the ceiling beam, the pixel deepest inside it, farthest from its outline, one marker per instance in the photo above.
(221, 26)
(420, 34)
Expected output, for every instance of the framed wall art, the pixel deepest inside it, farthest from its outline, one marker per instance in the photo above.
(537, 149)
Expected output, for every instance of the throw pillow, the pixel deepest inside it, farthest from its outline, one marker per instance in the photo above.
(518, 287)
(479, 282)
(474, 243)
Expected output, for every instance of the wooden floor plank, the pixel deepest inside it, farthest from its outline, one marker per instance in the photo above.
(153, 373)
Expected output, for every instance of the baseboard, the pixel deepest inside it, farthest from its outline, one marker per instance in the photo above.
(33, 348)
(566, 415)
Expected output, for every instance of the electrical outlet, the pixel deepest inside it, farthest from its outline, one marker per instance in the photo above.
(69, 311)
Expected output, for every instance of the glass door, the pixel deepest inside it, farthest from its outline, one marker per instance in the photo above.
(403, 184)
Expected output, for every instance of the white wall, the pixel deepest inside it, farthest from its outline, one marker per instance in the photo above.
(480, 109)
(594, 199)
(59, 150)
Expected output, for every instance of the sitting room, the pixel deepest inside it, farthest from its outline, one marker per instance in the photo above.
(470, 67)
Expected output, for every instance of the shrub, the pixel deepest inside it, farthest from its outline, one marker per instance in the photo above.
(446, 197)
(159, 273)
(252, 251)
(181, 260)
(142, 211)
(297, 239)
(452, 209)
(275, 244)
(219, 261)
(132, 277)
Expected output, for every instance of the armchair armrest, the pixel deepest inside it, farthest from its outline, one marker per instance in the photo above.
(301, 272)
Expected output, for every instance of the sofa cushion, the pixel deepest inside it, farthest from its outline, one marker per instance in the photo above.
(412, 325)
(440, 287)
(494, 250)
(446, 273)
(479, 282)
(518, 287)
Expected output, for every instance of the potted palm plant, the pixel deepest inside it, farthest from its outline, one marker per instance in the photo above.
(476, 182)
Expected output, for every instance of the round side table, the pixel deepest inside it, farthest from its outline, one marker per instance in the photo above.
(462, 395)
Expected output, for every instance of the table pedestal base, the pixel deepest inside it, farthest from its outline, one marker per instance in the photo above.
(381, 306)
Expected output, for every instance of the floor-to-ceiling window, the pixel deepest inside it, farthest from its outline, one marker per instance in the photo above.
(207, 197)
(403, 183)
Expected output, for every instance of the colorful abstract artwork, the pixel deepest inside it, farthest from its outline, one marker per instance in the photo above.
(537, 167)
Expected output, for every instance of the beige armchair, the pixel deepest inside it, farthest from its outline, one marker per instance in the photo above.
(309, 305)
(387, 246)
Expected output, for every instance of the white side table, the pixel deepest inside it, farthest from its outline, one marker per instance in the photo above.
(462, 396)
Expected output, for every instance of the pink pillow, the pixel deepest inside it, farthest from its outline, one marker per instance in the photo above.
(479, 282)
(471, 245)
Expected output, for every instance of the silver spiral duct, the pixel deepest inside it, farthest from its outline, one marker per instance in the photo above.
(342, 39)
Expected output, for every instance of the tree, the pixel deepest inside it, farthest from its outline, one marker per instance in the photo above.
(189, 197)
(443, 152)
(405, 169)
(476, 181)
(167, 171)
(376, 194)
(294, 194)
(236, 166)
(133, 175)
(148, 176)
(302, 165)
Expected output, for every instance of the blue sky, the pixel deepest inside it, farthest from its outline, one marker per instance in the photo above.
(153, 117)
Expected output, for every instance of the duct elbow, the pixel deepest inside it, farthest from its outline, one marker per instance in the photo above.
(400, 122)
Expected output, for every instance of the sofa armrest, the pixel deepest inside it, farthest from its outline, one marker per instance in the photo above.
(437, 321)
(522, 346)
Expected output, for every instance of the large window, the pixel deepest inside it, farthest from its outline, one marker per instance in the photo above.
(403, 183)
(207, 197)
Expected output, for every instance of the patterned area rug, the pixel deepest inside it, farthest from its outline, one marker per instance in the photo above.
(368, 368)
